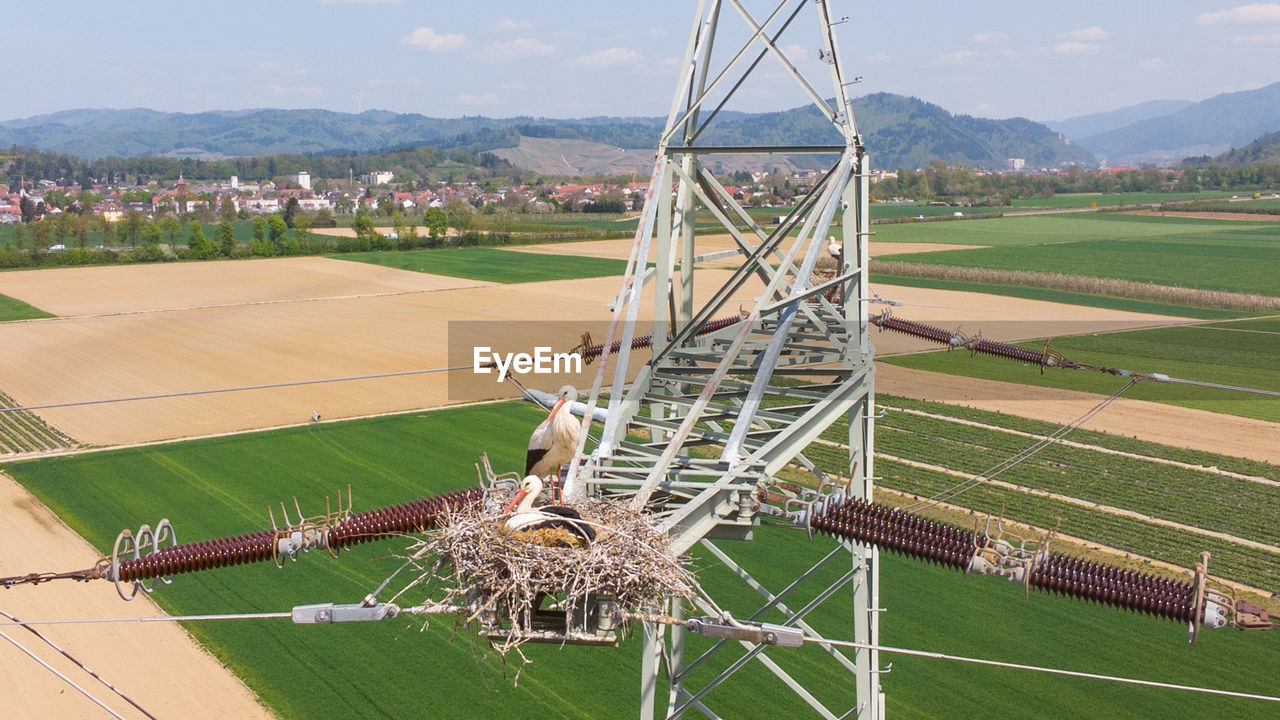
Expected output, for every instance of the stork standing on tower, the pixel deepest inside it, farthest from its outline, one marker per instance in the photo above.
(554, 442)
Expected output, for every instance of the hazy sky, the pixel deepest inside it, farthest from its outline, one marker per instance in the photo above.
(1044, 61)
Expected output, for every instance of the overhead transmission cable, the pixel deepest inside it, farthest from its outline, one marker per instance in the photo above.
(213, 391)
(1041, 669)
(807, 638)
(1021, 456)
(14, 621)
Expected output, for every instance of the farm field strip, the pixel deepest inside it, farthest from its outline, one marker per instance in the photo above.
(1251, 566)
(1065, 297)
(491, 264)
(1193, 498)
(12, 309)
(1120, 436)
(1175, 252)
(1096, 448)
(1086, 503)
(129, 288)
(1240, 359)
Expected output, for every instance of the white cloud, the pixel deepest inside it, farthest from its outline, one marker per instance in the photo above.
(518, 48)
(1257, 12)
(425, 38)
(1154, 63)
(609, 57)
(796, 52)
(1076, 48)
(990, 38)
(478, 99)
(509, 25)
(1089, 34)
(1271, 38)
(956, 57)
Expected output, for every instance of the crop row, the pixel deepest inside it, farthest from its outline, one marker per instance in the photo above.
(21, 431)
(1192, 497)
(1110, 441)
(1236, 507)
(1229, 560)
(1115, 287)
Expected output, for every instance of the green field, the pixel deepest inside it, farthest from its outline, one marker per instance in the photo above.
(492, 265)
(1102, 200)
(1194, 497)
(1216, 353)
(1059, 296)
(1208, 254)
(222, 487)
(12, 309)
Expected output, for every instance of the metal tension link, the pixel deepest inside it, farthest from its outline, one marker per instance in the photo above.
(752, 632)
(330, 613)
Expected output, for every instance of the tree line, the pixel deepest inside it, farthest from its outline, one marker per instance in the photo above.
(418, 166)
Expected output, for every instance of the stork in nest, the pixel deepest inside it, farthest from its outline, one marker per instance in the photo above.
(552, 525)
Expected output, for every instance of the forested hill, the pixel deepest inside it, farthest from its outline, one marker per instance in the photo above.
(899, 131)
(1266, 149)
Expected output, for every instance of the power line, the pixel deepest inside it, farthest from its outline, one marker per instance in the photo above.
(1037, 668)
(1025, 454)
(154, 618)
(1220, 386)
(663, 619)
(78, 664)
(186, 393)
(64, 678)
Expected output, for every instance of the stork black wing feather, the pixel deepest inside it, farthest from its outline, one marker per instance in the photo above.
(531, 459)
(572, 520)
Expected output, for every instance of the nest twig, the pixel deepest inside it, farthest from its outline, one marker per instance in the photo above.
(503, 577)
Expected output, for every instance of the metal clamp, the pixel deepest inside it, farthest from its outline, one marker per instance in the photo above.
(752, 632)
(325, 613)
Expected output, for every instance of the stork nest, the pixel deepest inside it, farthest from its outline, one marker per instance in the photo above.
(501, 578)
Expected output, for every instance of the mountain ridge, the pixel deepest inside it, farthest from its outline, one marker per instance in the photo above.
(901, 132)
(1206, 128)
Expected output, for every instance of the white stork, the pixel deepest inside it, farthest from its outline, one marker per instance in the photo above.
(526, 518)
(554, 442)
(834, 248)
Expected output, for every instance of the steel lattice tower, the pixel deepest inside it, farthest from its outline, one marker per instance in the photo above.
(725, 412)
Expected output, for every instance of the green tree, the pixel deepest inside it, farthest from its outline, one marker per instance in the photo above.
(64, 227)
(151, 234)
(291, 209)
(133, 224)
(276, 229)
(80, 228)
(225, 235)
(199, 243)
(302, 230)
(436, 222)
(459, 214)
(172, 228)
(227, 209)
(40, 235)
(259, 228)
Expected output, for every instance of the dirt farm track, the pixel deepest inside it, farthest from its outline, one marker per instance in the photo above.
(182, 327)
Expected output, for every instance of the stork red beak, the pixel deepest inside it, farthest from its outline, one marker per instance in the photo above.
(556, 407)
(516, 500)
